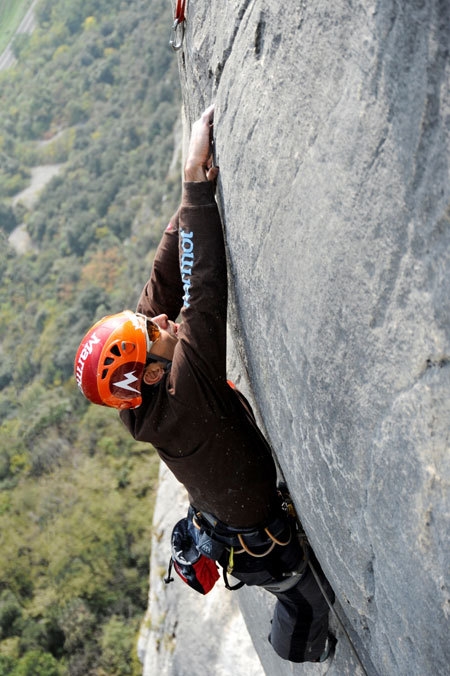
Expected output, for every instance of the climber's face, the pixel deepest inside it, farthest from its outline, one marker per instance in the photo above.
(165, 345)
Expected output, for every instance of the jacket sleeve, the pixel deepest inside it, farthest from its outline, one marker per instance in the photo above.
(199, 364)
(163, 292)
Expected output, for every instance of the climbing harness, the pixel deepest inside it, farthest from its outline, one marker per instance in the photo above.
(228, 542)
(178, 25)
(246, 537)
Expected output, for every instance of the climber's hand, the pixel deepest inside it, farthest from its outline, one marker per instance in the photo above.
(199, 158)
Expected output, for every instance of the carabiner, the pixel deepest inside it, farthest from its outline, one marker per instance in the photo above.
(173, 43)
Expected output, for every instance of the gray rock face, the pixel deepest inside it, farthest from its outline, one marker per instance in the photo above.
(332, 135)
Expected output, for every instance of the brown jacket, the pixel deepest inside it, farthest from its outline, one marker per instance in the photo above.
(202, 429)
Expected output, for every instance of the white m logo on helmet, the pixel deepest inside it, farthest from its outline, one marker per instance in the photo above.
(126, 383)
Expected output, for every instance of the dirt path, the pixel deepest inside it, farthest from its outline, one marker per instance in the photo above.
(40, 176)
(19, 238)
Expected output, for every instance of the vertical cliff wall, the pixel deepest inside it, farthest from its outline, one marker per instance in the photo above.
(332, 135)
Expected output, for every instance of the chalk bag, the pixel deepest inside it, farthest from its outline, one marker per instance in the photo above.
(195, 569)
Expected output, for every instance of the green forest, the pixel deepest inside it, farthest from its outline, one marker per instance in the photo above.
(95, 93)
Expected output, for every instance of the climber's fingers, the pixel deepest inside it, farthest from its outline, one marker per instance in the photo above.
(200, 146)
(212, 173)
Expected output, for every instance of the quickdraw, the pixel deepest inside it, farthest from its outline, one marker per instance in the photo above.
(179, 19)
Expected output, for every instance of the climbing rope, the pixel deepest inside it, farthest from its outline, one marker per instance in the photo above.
(178, 24)
(289, 507)
(338, 619)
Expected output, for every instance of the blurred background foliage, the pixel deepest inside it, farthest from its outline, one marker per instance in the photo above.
(95, 92)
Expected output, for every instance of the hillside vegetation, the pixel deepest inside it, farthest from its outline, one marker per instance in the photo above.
(95, 89)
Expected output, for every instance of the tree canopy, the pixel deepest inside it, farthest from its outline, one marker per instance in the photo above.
(95, 91)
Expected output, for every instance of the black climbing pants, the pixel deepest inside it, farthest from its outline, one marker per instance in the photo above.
(300, 621)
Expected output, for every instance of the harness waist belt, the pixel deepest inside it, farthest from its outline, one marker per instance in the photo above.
(228, 535)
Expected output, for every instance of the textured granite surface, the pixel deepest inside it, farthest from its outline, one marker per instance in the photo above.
(332, 136)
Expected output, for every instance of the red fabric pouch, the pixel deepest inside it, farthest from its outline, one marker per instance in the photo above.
(195, 569)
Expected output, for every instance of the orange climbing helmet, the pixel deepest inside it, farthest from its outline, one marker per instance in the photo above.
(110, 362)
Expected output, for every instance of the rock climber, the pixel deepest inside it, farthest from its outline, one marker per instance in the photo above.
(169, 382)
